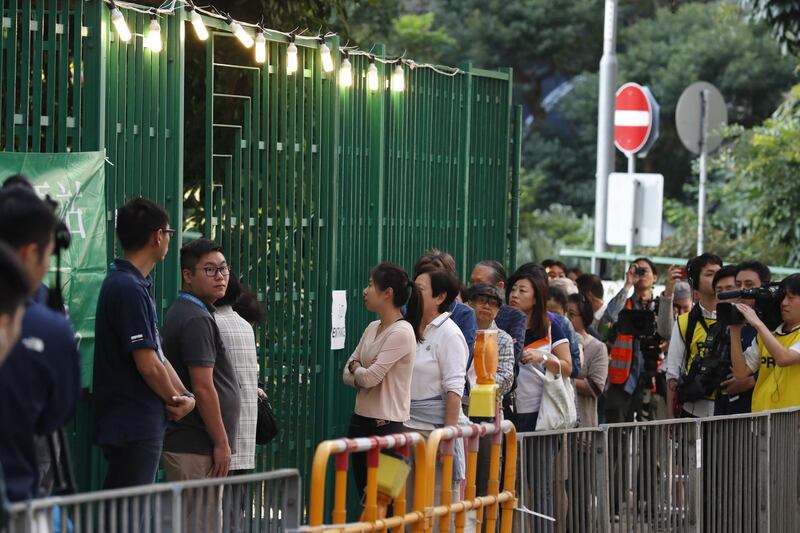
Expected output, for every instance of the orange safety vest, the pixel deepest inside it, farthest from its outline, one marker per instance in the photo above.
(621, 356)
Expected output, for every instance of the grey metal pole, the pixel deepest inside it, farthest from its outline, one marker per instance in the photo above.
(634, 219)
(701, 193)
(605, 128)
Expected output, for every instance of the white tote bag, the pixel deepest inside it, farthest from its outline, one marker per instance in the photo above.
(557, 410)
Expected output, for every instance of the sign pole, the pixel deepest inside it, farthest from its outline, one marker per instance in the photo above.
(631, 171)
(634, 223)
(701, 193)
(605, 128)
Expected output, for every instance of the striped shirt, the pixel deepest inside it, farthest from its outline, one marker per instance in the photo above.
(240, 344)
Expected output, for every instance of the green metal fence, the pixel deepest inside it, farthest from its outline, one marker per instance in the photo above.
(306, 184)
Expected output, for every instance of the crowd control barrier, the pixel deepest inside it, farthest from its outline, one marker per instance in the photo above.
(429, 457)
(727, 474)
(268, 502)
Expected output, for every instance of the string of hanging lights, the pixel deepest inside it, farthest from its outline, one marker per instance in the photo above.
(242, 31)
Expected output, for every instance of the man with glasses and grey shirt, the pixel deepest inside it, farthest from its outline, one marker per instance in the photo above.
(199, 445)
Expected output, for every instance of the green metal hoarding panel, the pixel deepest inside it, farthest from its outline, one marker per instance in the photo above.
(306, 184)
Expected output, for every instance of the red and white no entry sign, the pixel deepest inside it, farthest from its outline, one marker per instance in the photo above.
(633, 118)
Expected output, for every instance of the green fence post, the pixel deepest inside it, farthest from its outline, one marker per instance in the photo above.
(464, 161)
(515, 171)
(377, 162)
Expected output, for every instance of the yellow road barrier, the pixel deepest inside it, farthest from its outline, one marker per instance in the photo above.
(506, 499)
(424, 512)
(342, 448)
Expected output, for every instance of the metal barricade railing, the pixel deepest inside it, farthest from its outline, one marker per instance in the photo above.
(263, 502)
(781, 492)
(341, 449)
(730, 474)
(494, 499)
(427, 455)
(654, 471)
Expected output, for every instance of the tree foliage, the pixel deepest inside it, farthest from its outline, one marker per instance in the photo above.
(754, 194)
(711, 42)
(784, 18)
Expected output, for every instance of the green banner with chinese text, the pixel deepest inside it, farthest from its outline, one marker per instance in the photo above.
(76, 181)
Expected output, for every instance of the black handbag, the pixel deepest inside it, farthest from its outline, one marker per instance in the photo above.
(266, 427)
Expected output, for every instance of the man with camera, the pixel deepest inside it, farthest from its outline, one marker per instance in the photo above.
(688, 340)
(710, 376)
(40, 381)
(775, 355)
(735, 394)
(627, 362)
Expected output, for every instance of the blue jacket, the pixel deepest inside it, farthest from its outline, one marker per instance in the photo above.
(513, 321)
(39, 389)
(464, 317)
(574, 345)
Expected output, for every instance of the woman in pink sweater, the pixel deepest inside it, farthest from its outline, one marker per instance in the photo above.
(382, 363)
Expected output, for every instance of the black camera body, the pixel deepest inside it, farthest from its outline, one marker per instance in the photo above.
(641, 325)
(709, 369)
(767, 299)
(640, 271)
(638, 323)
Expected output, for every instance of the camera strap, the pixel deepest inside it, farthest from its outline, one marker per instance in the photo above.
(695, 317)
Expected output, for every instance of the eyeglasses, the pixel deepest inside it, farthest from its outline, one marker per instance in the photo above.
(168, 231)
(485, 300)
(212, 272)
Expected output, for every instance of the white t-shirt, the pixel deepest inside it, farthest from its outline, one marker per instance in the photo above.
(752, 356)
(441, 363)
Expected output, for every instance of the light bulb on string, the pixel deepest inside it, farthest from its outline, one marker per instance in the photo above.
(119, 23)
(261, 47)
(197, 21)
(240, 33)
(345, 73)
(325, 55)
(372, 76)
(291, 56)
(398, 78)
(153, 39)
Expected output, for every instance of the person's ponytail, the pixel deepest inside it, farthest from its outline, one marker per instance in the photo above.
(406, 293)
(414, 309)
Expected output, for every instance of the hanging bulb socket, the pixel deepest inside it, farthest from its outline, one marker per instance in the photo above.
(346, 72)
(398, 77)
(325, 55)
(197, 22)
(261, 47)
(372, 75)
(153, 39)
(291, 56)
(240, 33)
(119, 23)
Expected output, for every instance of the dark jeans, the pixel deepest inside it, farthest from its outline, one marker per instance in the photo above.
(133, 463)
(361, 426)
(740, 404)
(620, 405)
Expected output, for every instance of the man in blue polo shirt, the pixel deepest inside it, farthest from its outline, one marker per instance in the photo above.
(135, 387)
(40, 380)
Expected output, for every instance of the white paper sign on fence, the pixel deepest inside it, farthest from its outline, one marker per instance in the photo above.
(338, 314)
